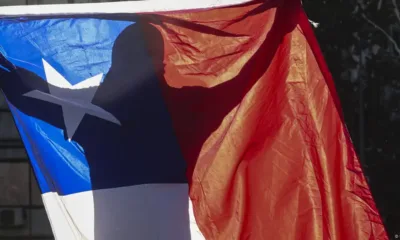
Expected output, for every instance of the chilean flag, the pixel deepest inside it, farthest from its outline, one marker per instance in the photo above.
(180, 120)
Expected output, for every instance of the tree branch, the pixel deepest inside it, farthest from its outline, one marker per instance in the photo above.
(396, 10)
(378, 7)
(390, 38)
(314, 24)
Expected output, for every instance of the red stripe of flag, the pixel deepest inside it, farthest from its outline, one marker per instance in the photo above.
(258, 120)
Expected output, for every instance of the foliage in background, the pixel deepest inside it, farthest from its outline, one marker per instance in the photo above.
(360, 40)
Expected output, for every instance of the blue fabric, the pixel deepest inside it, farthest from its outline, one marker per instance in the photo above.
(143, 149)
(4, 68)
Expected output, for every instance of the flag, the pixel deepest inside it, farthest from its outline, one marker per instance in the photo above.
(189, 120)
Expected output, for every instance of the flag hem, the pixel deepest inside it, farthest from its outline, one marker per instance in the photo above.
(116, 7)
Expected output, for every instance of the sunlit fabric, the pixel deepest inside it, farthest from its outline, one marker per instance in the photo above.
(210, 123)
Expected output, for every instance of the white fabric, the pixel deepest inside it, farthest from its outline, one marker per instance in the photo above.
(116, 7)
(74, 109)
(143, 212)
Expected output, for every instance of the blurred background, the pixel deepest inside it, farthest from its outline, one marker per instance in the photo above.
(360, 40)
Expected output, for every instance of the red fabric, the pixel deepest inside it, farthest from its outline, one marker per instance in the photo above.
(259, 122)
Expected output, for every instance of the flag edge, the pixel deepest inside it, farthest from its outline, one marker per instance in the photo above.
(150, 6)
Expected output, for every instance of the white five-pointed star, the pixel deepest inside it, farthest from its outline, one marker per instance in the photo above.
(74, 106)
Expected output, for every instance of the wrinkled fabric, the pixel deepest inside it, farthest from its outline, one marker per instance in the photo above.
(259, 121)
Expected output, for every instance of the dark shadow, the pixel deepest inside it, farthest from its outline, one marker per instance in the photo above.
(162, 128)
